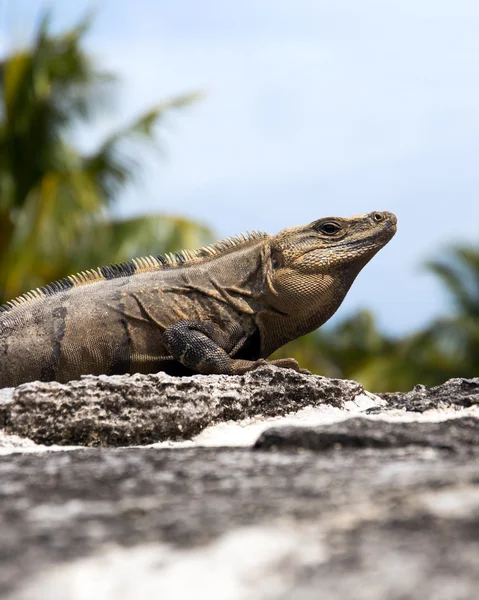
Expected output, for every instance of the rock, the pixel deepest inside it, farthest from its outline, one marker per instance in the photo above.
(458, 435)
(379, 506)
(141, 409)
(455, 392)
(124, 524)
(14, 442)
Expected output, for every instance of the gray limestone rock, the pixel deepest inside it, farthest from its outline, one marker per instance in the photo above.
(141, 409)
(12, 441)
(458, 435)
(455, 392)
(366, 508)
(136, 524)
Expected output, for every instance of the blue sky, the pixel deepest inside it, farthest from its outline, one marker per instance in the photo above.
(311, 109)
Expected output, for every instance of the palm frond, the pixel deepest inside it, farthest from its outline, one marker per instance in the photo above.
(112, 166)
(459, 273)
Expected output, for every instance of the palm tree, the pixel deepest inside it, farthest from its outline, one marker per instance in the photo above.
(457, 336)
(55, 202)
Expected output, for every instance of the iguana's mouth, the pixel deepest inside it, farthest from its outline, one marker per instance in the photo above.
(382, 235)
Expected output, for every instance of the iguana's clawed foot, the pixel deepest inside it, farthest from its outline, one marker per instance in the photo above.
(200, 346)
(283, 363)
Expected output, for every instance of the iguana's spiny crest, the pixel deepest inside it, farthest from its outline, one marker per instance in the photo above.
(143, 264)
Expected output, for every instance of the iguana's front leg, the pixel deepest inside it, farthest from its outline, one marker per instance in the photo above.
(203, 347)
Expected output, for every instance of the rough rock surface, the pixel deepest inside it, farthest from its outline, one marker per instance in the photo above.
(141, 409)
(456, 435)
(381, 506)
(364, 524)
(457, 392)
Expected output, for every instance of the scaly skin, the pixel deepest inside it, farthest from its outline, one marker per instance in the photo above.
(220, 309)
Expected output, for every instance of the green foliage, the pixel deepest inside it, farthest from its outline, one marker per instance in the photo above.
(449, 346)
(55, 202)
(353, 349)
(343, 351)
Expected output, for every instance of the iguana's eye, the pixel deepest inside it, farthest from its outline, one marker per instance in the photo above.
(330, 228)
(276, 260)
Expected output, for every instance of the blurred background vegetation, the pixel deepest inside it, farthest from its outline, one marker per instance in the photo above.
(57, 217)
(56, 204)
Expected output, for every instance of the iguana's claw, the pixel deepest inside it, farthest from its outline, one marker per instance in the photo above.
(283, 363)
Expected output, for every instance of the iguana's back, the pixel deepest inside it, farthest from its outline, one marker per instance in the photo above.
(116, 325)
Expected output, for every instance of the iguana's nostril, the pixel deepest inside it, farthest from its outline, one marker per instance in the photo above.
(378, 217)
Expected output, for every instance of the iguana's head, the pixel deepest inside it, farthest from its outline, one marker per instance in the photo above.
(312, 267)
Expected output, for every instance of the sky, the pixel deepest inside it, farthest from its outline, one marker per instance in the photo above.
(310, 108)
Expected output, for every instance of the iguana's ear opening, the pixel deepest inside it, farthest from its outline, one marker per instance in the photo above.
(270, 267)
(277, 260)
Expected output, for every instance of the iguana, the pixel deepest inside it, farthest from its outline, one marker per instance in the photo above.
(221, 309)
